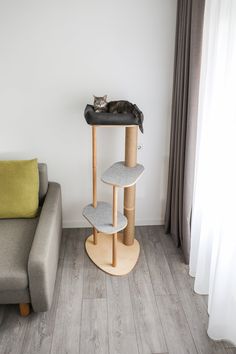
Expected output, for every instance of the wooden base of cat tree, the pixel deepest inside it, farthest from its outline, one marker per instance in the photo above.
(114, 253)
(101, 254)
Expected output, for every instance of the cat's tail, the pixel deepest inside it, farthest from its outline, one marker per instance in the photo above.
(139, 115)
(141, 118)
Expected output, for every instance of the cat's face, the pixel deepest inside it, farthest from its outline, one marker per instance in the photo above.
(100, 103)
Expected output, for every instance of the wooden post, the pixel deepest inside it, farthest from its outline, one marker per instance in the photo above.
(95, 236)
(94, 167)
(131, 134)
(114, 250)
(114, 219)
(115, 199)
(24, 309)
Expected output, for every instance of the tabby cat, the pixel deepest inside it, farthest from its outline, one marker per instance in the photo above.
(101, 105)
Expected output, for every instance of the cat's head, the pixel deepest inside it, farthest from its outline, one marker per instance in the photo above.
(100, 103)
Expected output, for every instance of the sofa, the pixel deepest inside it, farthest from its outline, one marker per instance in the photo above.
(29, 251)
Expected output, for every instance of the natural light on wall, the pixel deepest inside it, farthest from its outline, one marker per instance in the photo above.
(213, 236)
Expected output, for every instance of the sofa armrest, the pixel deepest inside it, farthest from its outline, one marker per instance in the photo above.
(44, 254)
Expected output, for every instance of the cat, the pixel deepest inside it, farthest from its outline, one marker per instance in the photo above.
(122, 106)
(100, 104)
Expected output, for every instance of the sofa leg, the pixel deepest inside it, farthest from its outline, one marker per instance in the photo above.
(24, 309)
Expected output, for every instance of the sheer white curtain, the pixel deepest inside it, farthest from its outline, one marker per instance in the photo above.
(213, 235)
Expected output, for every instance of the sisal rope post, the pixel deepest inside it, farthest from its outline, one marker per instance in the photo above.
(114, 220)
(131, 135)
(94, 168)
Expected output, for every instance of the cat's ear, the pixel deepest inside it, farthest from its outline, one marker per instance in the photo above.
(105, 97)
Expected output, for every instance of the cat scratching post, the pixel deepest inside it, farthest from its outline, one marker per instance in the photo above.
(131, 134)
(114, 221)
(112, 251)
(94, 167)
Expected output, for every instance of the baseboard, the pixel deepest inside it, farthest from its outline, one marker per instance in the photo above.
(84, 223)
(75, 224)
(144, 222)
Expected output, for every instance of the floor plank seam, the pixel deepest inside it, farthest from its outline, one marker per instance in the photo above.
(150, 271)
(81, 309)
(154, 292)
(136, 335)
(94, 298)
(156, 301)
(179, 297)
(141, 245)
(61, 270)
(108, 339)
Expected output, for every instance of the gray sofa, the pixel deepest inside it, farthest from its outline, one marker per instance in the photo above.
(29, 252)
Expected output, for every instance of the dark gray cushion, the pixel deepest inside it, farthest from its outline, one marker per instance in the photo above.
(16, 236)
(104, 118)
(43, 181)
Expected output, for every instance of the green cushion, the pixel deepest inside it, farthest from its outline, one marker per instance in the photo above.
(19, 189)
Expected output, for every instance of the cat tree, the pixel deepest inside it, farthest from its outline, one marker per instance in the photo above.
(118, 254)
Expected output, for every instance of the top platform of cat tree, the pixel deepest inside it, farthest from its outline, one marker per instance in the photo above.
(109, 119)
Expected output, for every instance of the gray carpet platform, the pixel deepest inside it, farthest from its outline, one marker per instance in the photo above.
(101, 218)
(122, 176)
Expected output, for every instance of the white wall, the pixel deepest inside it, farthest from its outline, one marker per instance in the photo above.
(54, 54)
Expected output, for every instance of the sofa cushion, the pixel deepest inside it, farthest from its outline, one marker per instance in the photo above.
(16, 237)
(19, 189)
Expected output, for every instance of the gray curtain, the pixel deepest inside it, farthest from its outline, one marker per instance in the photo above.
(189, 27)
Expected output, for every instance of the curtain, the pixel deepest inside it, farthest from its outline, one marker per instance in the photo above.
(213, 231)
(189, 26)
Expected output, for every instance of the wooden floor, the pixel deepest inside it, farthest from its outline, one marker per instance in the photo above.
(152, 310)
